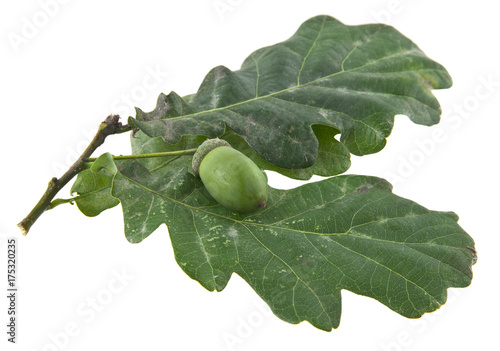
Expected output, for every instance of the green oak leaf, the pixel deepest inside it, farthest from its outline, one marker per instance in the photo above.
(93, 187)
(351, 79)
(347, 232)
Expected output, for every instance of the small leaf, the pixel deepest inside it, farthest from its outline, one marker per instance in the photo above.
(93, 187)
(346, 232)
(351, 79)
(104, 163)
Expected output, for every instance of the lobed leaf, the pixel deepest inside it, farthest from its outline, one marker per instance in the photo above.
(351, 79)
(347, 232)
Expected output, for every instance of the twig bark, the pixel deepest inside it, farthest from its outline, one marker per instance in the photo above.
(109, 126)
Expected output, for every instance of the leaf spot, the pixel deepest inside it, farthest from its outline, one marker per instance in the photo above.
(363, 190)
(232, 232)
(324, 113)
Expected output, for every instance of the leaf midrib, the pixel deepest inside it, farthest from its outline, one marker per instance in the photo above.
(274, 226)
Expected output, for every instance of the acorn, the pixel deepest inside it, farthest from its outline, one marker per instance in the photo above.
(232, 179)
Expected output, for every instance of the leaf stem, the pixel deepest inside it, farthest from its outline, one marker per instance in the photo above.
(58, 202)
(109, 126)
(156, 154)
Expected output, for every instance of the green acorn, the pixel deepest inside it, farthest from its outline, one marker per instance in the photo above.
(232, 179)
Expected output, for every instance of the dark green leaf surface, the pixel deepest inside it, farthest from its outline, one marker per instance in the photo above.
(353, 79)
(346, 232)
(333, 158)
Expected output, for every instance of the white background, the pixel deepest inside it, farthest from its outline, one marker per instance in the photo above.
(64, 75)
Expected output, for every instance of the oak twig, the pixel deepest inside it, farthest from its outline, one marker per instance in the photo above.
(109, 126)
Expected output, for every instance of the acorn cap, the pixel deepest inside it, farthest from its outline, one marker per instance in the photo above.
(207, 146)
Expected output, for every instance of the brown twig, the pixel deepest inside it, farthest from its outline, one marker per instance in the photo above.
(109, 126)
